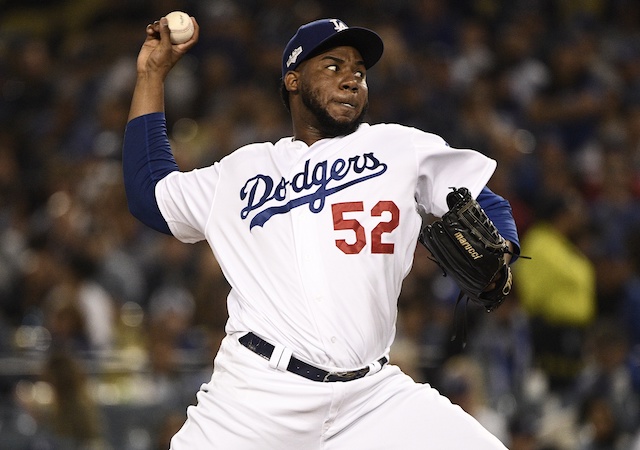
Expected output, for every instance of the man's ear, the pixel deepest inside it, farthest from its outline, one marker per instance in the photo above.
(291, 80)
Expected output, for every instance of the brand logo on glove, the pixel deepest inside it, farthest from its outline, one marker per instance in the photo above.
(468, 247)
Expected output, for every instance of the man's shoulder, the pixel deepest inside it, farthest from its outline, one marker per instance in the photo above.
(386, 127)
(248, 150)
(399, 131)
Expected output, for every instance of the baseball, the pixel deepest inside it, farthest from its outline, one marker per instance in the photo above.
(180, 26)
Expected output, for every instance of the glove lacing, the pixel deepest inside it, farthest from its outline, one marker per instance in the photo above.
(456, 320)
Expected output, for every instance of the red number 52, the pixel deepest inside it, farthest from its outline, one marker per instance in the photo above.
(377, 246)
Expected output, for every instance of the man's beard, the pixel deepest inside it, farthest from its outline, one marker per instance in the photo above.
(327, 125)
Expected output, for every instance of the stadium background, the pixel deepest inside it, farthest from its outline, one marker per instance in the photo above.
(107, 329)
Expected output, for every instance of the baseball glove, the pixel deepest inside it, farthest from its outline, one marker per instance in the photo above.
(468, 247)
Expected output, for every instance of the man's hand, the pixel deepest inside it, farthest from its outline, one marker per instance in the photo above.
(157, 55)
(155, 60)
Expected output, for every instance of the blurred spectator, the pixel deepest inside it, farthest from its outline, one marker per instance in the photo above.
(405, 350)
(473, 56)
(523, 433)
(169, 426)
(426, 319)
(63, 406)
(557, 287)
(77, 297)
(210, 290)
(502, 344)
(481, 124)
(65, 321)
(599, 429)
(173, 342)
(12, 216)
(615, 212)
(610, 376)
(574, 99)
(464, 384)
(629, 312)
(429, 23)
(518, 71)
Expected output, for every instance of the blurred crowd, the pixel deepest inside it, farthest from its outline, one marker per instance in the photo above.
(107, 328)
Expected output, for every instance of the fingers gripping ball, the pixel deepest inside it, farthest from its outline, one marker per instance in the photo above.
(180, 26)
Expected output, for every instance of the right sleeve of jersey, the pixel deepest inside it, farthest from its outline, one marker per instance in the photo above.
(185, 200)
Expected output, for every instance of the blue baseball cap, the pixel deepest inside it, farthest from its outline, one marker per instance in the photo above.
(314, 37)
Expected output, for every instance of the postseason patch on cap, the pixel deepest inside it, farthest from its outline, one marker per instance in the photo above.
(326, 33)
(294, 56)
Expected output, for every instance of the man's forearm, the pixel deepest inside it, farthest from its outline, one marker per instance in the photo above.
(148, 96)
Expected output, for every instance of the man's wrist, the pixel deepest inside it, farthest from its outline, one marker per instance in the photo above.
(150, 79)
(148, 96)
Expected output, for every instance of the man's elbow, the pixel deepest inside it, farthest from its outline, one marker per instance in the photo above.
(149, 214)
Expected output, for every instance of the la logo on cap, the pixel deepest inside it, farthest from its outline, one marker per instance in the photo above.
(324, 33)
(339, 25)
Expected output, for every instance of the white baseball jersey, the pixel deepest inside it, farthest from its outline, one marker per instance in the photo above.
(315, 241)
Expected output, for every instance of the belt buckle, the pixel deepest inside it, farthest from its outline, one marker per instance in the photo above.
(345, 376)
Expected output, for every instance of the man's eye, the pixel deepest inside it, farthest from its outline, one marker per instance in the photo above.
(333, 67)
(360, 74)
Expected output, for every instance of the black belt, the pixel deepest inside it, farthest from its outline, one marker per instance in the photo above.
(265, 349)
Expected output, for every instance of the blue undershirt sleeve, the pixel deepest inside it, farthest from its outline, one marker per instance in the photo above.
(499, 211)
(146, 159)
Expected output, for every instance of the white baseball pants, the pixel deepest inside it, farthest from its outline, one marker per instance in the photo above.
(248, 405)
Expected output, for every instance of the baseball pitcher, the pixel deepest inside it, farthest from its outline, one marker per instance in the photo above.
(315, 234)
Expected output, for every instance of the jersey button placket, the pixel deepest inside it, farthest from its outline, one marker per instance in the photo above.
(308, 260)
(309, 231)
